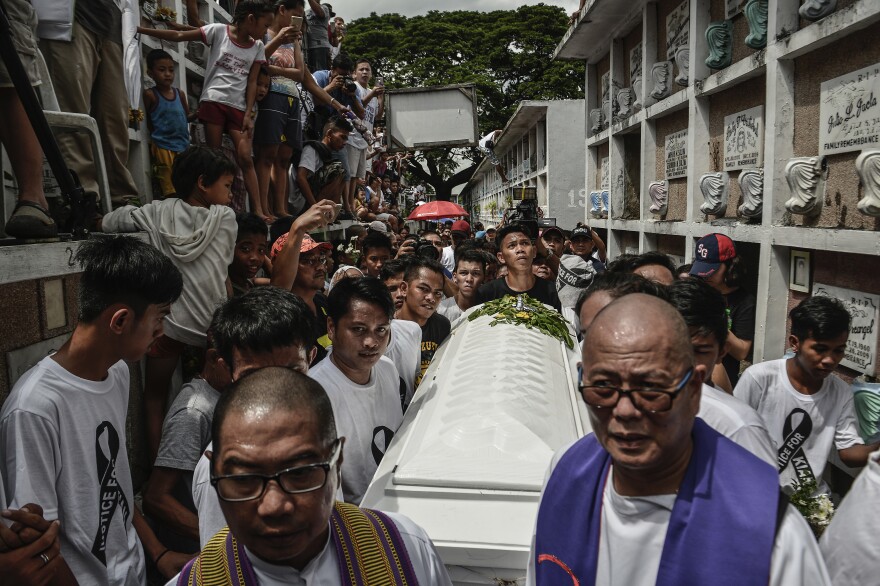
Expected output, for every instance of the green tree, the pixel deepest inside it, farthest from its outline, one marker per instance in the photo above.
(505, 53)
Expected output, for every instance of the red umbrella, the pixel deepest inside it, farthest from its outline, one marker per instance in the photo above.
(437, 210)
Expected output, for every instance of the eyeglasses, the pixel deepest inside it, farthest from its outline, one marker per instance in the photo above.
(314, 261)
(650, 400)
(238, 488)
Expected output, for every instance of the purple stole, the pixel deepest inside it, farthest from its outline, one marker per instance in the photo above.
(369, 549)
(721, 531)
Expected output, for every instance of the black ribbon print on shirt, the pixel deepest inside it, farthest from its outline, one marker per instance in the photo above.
(111, 493)
(381, 438)
(793, 440)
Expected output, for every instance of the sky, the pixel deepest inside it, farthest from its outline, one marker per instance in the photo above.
(351, 9)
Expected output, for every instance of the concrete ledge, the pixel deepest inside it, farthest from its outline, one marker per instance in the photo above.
(26, 262)
(833, 27)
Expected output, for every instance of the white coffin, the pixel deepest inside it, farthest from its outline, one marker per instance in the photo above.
(469, 460)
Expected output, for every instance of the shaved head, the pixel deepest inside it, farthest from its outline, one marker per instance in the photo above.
(273, 390)
(639, 343)
(636, 317)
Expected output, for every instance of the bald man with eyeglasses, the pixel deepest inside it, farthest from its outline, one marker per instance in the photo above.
(276, 469)
(654, 495)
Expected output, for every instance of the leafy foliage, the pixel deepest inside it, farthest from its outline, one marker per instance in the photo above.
(505, 53)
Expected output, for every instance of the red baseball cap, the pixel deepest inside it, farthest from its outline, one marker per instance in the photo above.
(308, 244)
(461, 226)
(711, 252)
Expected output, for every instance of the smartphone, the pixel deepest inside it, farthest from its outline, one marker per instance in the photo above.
(338, 210)
(380, 81)
(296, 22)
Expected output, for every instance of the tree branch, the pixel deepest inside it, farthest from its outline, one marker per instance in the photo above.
(461, 177)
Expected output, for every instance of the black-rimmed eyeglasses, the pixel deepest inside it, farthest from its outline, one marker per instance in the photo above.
(650, 400)
(236, 488)
(314, 261)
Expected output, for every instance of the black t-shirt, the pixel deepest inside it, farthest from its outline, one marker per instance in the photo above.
(434, 332)
(543, 290)
(741, 307)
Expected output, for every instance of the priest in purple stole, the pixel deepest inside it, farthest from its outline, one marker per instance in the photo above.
(276, 467)
(656, 496)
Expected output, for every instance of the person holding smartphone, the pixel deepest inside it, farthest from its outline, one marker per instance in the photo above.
(373, 108)
(337, 35)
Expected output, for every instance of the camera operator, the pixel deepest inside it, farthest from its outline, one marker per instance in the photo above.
(428, 246)
(340, 85)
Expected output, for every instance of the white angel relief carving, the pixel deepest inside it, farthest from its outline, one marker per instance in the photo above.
(751, 183)
(637, 93)
(806, 181)
(682, 54)
(715, 188)
(659, 192)
(609, 110)
(624, 103)
(597, 120)
(660, 73)
(868, 168)
(817, 9)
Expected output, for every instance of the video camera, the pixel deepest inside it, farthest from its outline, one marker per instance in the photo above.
(526, 214)
(423, 248)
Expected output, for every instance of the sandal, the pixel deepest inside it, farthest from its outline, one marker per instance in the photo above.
(30, 221)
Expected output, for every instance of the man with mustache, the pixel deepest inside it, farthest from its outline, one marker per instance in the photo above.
(300, 266)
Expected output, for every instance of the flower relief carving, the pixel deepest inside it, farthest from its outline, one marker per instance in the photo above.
(715, 188)
(719, 38)
(596, 204)
(682, 55)
(660, 73)
(606, 204)
(817, 9)
(756, 13)
(751, 183)
(624, 103)
(637, 93)
(597, 120)
(659, 192)
(868, 168)
(806, 181)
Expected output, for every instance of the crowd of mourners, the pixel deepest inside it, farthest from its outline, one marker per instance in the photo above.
(300, 359)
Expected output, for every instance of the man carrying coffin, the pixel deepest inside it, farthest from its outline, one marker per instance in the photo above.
(654, 495)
